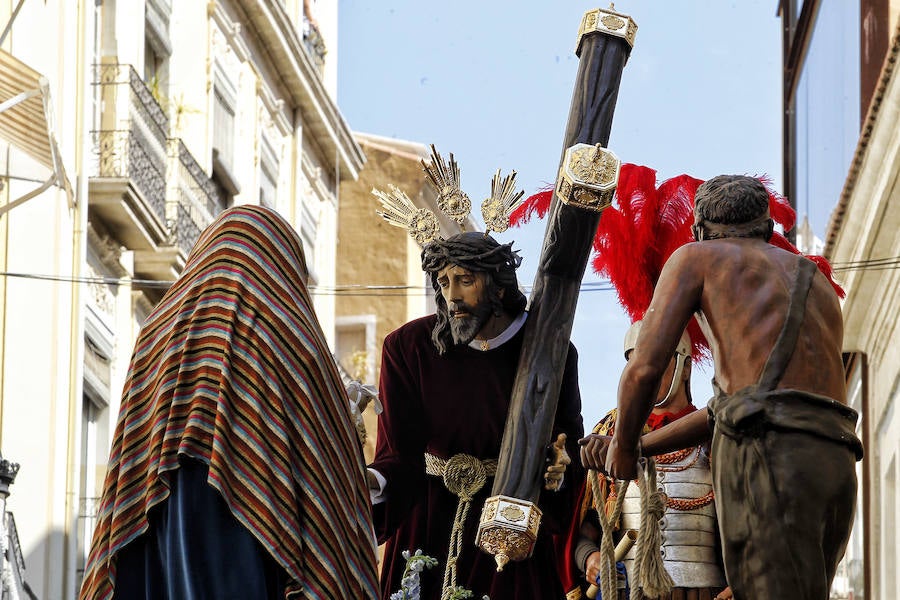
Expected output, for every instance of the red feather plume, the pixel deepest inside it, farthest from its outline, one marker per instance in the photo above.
(637, 235)
(780, 209)
(536, 204)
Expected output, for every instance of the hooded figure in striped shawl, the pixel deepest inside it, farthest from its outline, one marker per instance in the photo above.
(235, 470)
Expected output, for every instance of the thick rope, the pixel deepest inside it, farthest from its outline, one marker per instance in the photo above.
(459, 521)
(464, 476)
(608, 576)
(650, 577)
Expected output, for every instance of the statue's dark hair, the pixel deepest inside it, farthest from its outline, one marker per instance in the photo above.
(479, 253)
(733, 200)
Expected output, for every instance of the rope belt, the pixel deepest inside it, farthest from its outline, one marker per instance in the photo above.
(463, 476)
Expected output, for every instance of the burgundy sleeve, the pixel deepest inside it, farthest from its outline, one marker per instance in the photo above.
(400, 445)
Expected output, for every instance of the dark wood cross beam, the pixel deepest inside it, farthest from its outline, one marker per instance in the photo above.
(567, 245)
(510, 518)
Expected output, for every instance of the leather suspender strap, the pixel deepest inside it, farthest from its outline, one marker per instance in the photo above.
(790, 331)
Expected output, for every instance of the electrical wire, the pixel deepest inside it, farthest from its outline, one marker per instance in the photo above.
(875, 264)
(386, 291)
(351, 290)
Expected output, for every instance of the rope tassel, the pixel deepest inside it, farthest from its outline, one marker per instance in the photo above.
(650, 575)
(463, 476)
(608, 577)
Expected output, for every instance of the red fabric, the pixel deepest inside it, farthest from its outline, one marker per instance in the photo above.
(569, 572)
(655, 421)
(446, 405)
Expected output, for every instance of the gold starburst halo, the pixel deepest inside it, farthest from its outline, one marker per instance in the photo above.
(503, 201)
(400, 211)
(423, 225)
(444, 177)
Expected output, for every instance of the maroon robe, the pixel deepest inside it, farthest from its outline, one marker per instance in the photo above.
(451, 404)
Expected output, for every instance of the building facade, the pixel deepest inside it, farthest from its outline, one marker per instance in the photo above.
(161, 114)
(841, 101)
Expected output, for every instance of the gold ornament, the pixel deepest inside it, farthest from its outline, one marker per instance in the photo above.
(508, 529)
(399, 211)
(608, 22)
(504, 199)
(423, 225)
(445, 177)
(588, 177)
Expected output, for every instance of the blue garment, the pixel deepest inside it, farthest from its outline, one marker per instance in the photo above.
(622, 573)
(196, 550)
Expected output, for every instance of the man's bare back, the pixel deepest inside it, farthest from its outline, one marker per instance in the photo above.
(739, 290)
(742, 307)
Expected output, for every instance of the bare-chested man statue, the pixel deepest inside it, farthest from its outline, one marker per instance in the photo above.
(783, 442)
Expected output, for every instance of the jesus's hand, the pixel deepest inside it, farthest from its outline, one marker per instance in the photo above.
(558, 459)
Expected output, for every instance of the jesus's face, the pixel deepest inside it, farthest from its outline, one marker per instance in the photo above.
(468, 306)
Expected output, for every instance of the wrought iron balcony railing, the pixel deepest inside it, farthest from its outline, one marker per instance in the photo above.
(191, 198)
(131, 140)
(12, 563)
(315, 45)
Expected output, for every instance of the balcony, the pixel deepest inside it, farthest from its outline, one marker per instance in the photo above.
(146, 190)
(128, 185)
(192, 201)
(14, 583)
(314, 45)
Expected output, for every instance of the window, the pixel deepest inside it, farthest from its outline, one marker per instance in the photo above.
(308, 232)
(87, 505)
(268, 173)
(95, 438)
(223, 124)
(826, 104)
(224, 112)
(154, 66)
(355, 346)
(157, 48)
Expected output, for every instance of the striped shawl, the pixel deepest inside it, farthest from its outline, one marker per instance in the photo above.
(232, 368)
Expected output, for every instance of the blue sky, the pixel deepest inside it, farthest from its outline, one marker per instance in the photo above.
(491, 81)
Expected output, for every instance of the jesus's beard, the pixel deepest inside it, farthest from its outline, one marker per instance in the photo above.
(465, 328)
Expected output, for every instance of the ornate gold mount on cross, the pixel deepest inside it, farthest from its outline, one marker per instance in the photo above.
(606, 21)
(508, 529)
(588, 177)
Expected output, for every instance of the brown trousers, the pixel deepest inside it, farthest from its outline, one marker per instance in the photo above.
(784, 496)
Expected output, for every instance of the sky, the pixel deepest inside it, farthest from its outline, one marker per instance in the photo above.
(492, 81)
